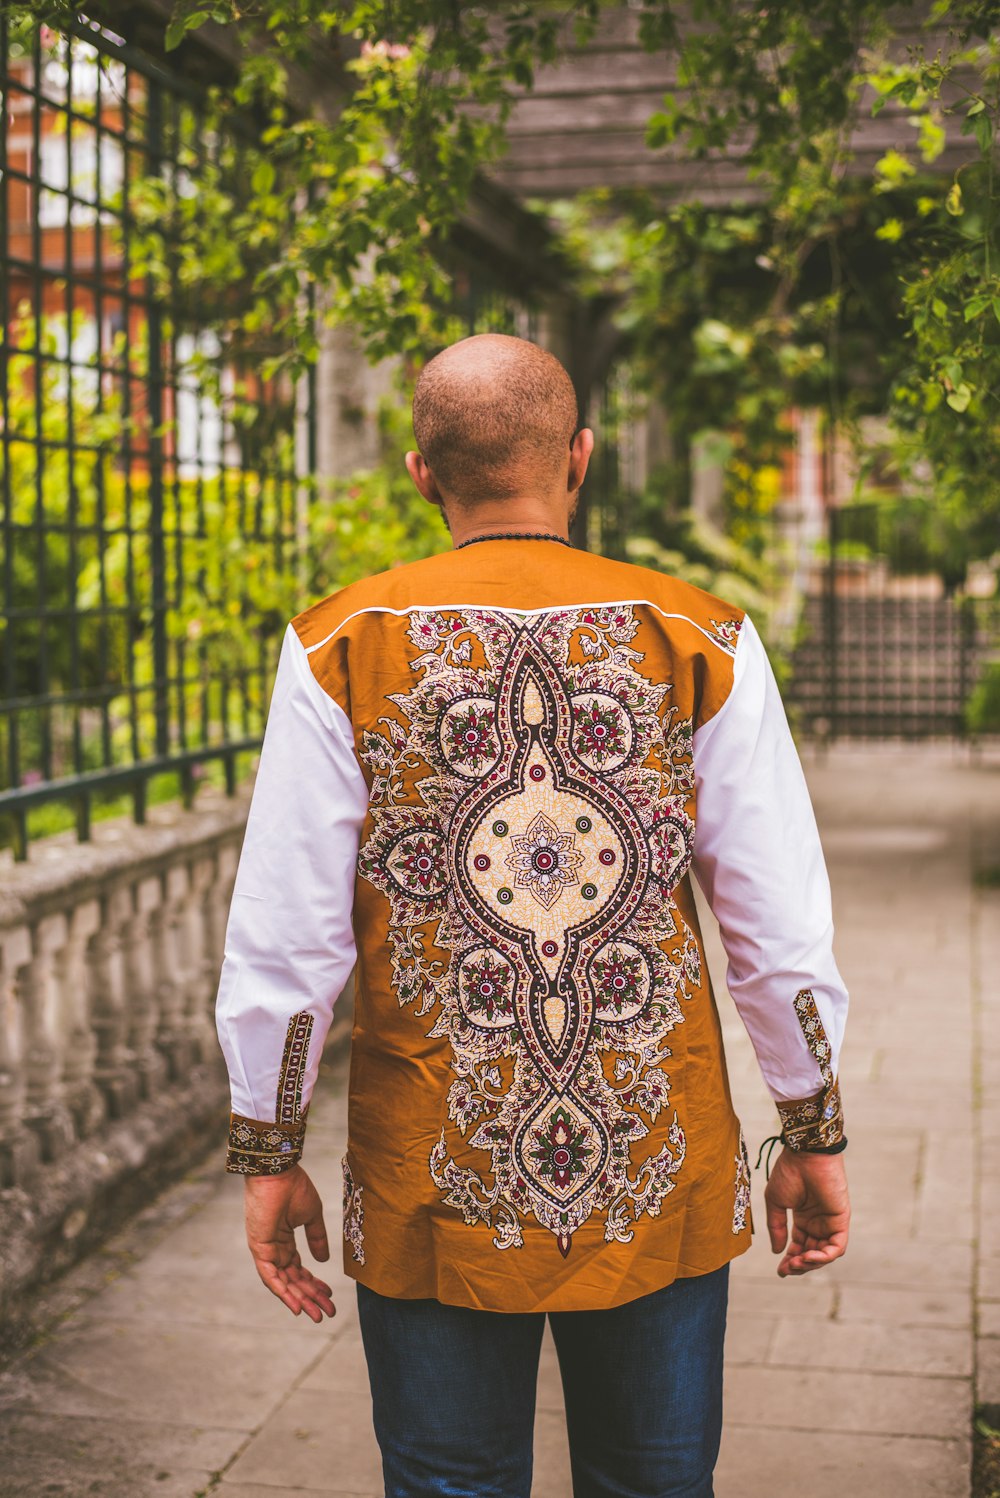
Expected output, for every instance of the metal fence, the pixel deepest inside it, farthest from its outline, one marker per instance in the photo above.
(887, 651)
(129, 446)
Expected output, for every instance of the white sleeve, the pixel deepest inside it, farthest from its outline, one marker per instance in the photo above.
(289, 945)
(759, 861)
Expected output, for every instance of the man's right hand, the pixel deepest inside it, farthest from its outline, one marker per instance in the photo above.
(814, 1189)
(275, 1206)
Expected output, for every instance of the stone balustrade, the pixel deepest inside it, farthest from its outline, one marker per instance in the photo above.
(111, 1077)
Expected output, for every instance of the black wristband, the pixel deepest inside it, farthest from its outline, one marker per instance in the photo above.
(821, 1149)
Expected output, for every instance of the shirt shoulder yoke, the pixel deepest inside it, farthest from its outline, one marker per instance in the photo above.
(591, 580)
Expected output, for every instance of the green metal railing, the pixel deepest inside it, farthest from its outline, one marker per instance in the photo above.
(130, 448)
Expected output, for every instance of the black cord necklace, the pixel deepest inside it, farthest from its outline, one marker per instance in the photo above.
(514, 536)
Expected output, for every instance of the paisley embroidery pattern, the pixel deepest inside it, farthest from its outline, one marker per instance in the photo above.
(530, 818)
(263, 1149)
(726, 633)
(741, 1205)
(818, 1120)
(354, 1214)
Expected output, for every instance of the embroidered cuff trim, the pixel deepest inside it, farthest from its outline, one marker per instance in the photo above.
(813, 1122)
(268, 1149)
(817, 1121)
(263, 1149)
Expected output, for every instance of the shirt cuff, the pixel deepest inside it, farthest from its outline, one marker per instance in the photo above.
(814, 1122)
(263, 1149)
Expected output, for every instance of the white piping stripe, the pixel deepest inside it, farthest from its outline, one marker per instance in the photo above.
(498, 608)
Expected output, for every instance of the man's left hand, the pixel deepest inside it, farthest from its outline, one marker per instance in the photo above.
(814, 1189)
(275, 1206)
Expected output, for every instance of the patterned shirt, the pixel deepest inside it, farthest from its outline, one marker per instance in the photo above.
(486, 779)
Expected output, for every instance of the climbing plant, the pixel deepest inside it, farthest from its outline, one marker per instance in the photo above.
(860, 292)
(865, 293)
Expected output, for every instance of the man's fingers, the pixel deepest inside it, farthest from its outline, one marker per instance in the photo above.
(312, 1290)
(777, 1227)
(802, 1260)
(319, 1244)
(296, 1288)
(275, 1281)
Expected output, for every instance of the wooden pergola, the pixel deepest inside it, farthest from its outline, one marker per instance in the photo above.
(583, 124)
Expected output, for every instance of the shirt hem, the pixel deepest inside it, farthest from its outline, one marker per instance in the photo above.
(682, 1270)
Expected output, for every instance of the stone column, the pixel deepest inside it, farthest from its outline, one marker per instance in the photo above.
(348, 392)
(141, 987)
(20, 1148)
(114, 1068)
(46, 1111)
(171, 1035)
(201, 978)
(84, 1098)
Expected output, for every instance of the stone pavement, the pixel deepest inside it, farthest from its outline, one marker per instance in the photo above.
(168, 1370)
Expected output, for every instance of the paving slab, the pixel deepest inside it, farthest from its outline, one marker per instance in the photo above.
(872, 1347)
(905, 1307)
(310, 1438)
(988, 1370)
(989, 1318)
(868, 1403)
(809, 1296)
(186, 1373)
(551, 1474)
(44, 1453)
(767, 1463)
(261, 1490)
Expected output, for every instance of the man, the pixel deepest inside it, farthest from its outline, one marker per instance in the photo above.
(487, 777)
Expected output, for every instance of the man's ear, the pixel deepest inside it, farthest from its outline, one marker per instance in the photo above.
(579, 457)
(423, 479)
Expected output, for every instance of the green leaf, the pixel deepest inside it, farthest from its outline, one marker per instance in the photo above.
(976, 306)
(175, 34)
(263, 177)
(953, 202)
(181, 25)
(959, 399)
(984, 133)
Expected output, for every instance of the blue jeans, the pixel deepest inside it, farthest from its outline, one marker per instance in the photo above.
(454, 1393)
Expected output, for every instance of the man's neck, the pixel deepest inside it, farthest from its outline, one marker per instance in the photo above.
(521, 516)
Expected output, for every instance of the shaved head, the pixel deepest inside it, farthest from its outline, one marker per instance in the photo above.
(492, 415)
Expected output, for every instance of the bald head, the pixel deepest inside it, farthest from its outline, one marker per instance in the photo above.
(492, 415)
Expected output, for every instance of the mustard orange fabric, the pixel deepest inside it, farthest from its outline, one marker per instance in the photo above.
(540, 1116)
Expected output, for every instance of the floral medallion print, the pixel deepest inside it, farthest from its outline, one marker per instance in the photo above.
(530, 820)
(487, 983)
(544, 860)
